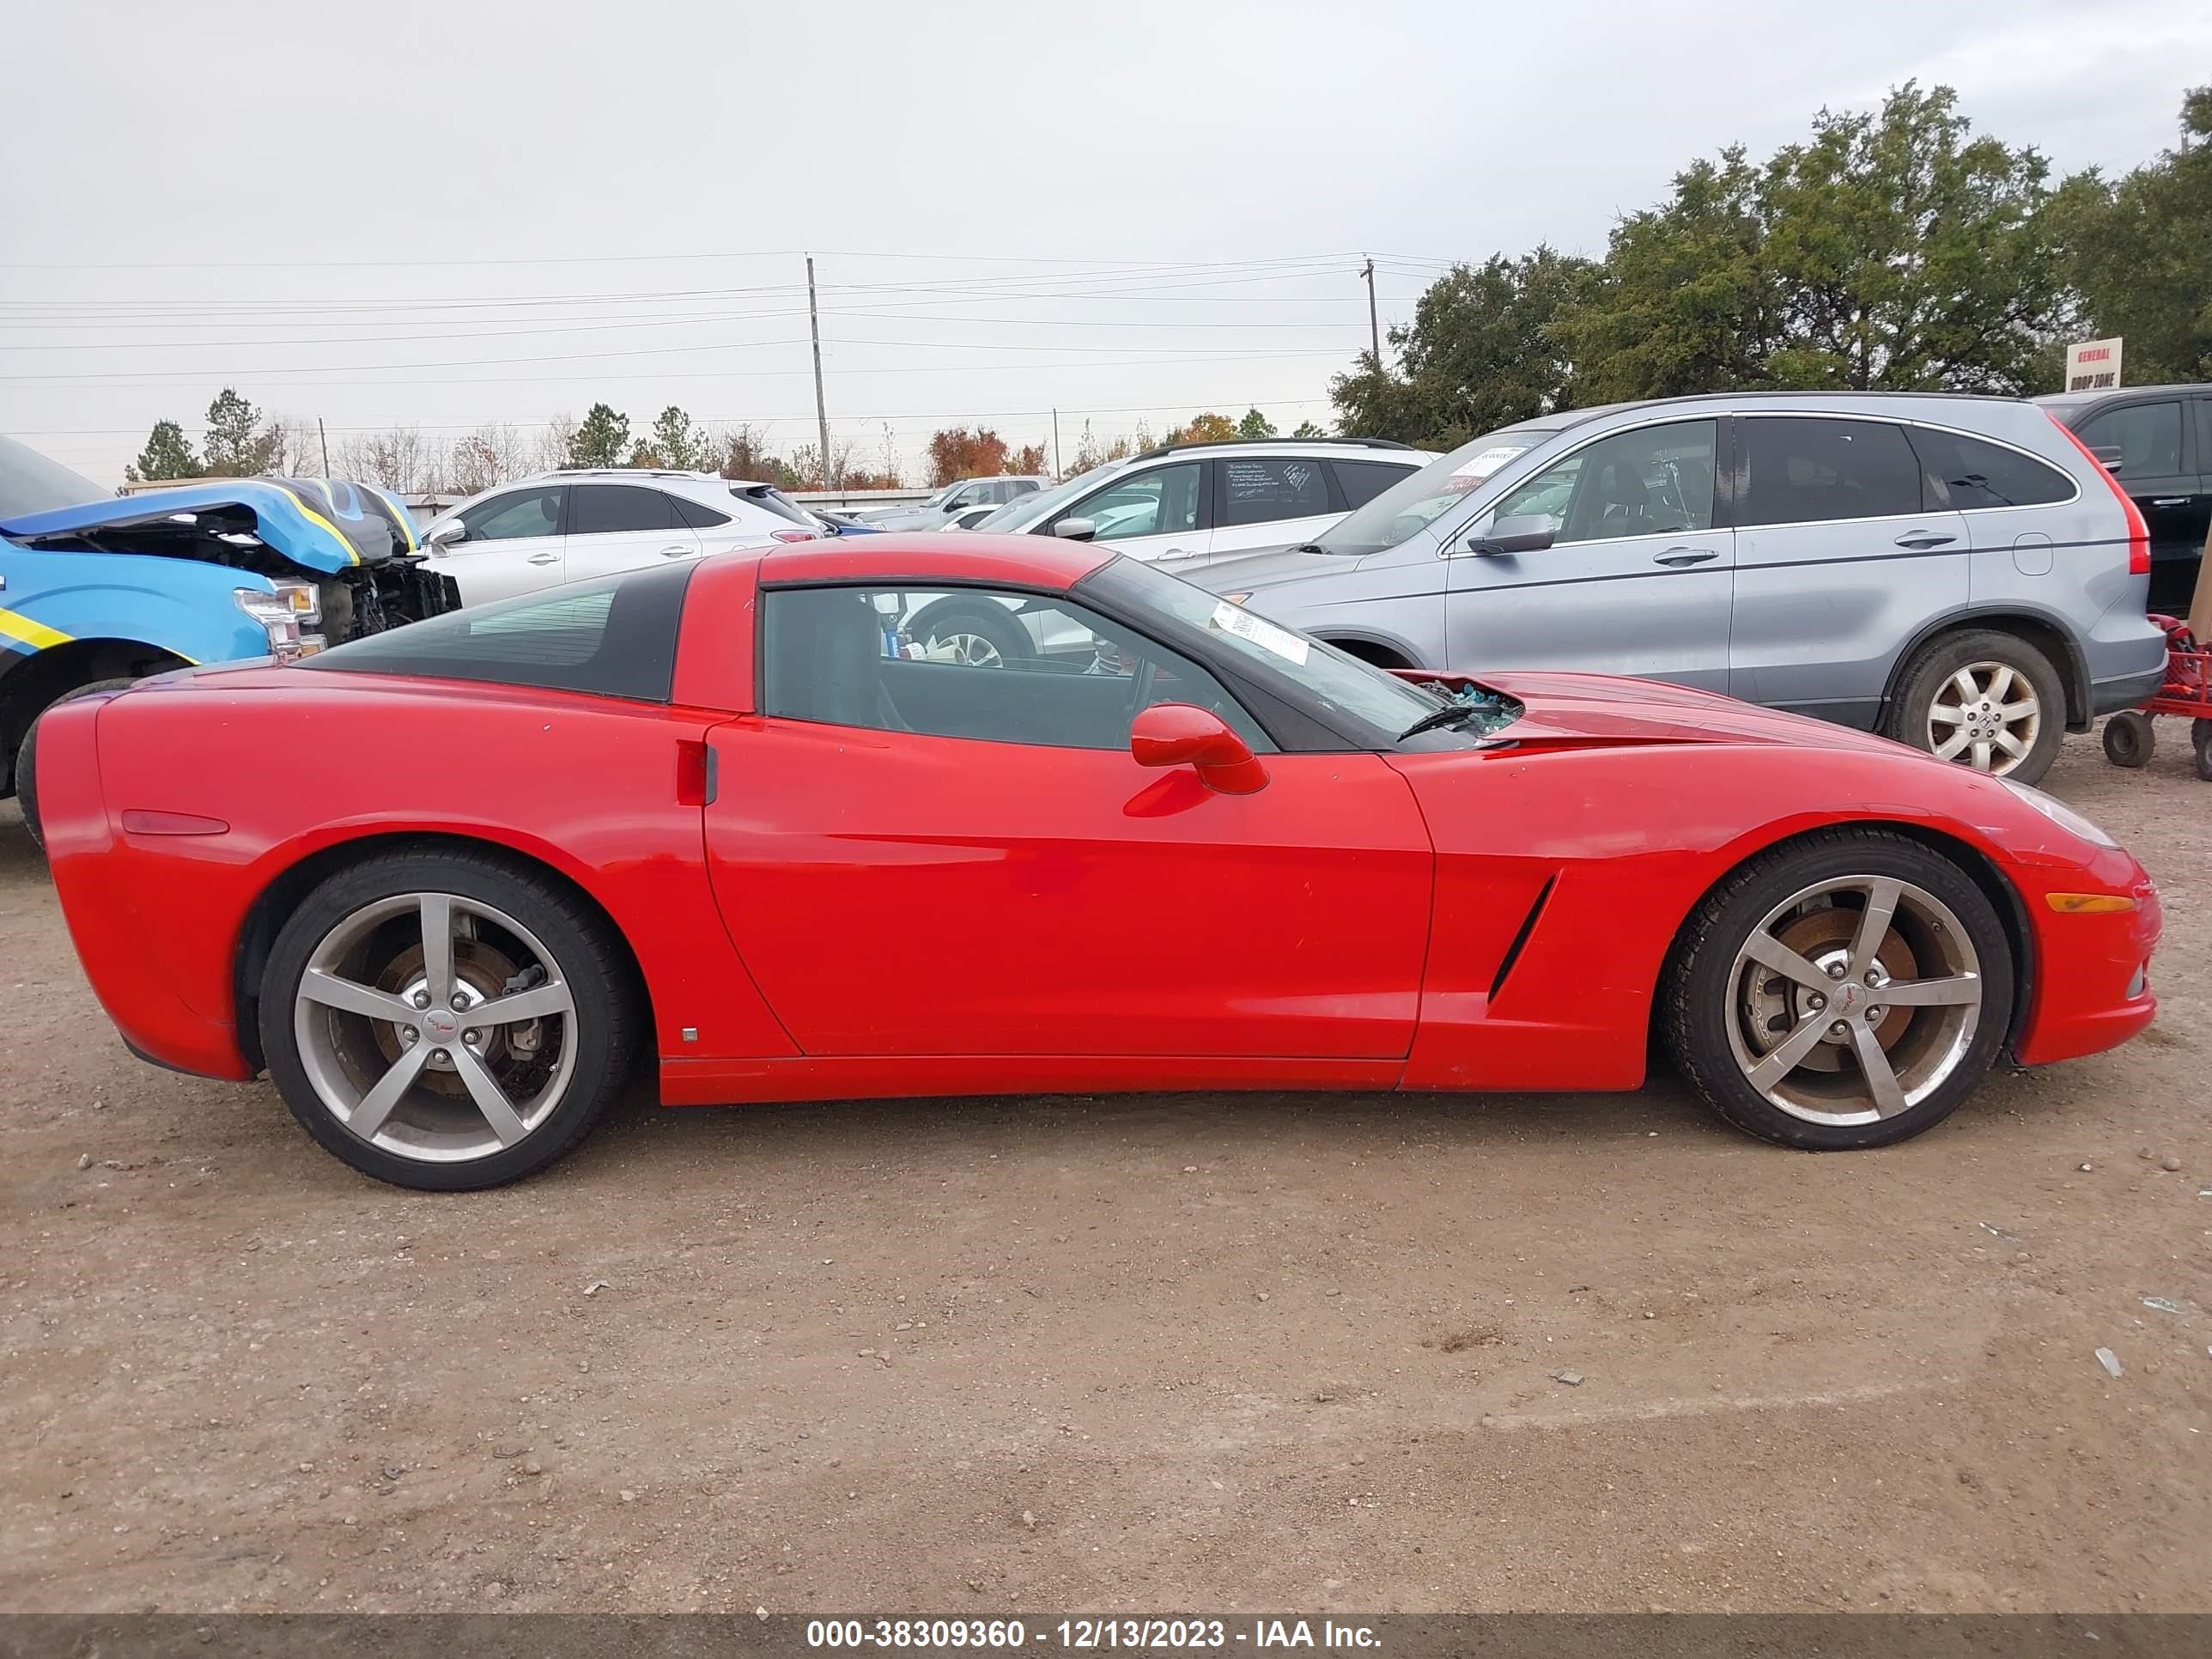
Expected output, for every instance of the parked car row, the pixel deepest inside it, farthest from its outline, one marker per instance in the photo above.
(1958, 572)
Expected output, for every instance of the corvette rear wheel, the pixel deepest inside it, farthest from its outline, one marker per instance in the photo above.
(444, 1021)
(1845, 990)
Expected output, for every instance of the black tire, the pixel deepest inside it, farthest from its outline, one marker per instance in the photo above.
(26, 789)
(608, 1023)
(1932, 667)
(1695, 993)
(2201, 733)
(2130, 739)
(984, 619)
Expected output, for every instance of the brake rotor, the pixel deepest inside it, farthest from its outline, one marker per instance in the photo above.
(481, 972)
(1823, 937)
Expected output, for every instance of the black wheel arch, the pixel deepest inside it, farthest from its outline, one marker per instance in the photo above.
(2040, 629)
(1379, 649)
(276, 902)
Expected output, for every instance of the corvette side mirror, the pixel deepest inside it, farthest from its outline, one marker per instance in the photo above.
(1177, 734)
(1523, 532)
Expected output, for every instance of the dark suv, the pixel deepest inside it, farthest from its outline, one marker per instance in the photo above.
(2157, 440)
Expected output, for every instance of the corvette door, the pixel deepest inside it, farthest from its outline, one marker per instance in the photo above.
(918, 856)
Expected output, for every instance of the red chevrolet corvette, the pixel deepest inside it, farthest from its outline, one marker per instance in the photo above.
(951, 815)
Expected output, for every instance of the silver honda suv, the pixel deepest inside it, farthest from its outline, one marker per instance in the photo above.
(1956, 572)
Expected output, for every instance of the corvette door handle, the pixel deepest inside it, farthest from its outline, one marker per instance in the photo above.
(542, 558)
(1683, 557)
(1921, 540)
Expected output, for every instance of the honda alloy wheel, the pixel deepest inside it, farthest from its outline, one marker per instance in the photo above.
(1846, 989)
(1984, 698)
(1986, 715)
(444, 1033)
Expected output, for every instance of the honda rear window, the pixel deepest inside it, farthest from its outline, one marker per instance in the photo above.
(615, 637)
(1974, 473)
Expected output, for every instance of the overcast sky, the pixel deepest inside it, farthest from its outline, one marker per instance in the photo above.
(444, 214)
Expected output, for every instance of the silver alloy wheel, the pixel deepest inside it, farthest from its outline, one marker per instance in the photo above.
(1854, 999)
(1986, 716)
(966, 649)
(435, 1027)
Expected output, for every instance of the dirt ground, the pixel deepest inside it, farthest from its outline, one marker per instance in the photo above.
(1164, 1354)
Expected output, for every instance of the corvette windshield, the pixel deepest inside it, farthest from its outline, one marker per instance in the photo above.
(1416, 500)
(1383, 708)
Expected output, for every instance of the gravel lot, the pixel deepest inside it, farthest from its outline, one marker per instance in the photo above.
(1153, 1354)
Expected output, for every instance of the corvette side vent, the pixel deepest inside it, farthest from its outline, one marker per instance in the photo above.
(1521, 938)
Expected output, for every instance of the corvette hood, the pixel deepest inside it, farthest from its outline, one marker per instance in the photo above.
(1603, 709)
(318, 524)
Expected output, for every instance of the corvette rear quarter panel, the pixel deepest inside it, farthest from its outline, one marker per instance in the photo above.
(1631, 839)
(296, 761)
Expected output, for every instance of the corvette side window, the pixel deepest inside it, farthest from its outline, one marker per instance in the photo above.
(998, 666)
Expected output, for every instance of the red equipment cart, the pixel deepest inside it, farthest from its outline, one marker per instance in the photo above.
(2129, 738)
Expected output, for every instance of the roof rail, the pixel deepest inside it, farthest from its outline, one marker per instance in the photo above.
(1238, 443)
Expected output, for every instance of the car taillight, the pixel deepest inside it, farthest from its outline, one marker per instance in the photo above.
(2138, 531)
(794, 535)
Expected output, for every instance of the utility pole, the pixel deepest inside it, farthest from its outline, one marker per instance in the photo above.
(821, 408)
(1374, 328)
(1057, 470)
(325, 437)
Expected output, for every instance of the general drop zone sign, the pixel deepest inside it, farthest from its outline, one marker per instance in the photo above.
(2092, 366)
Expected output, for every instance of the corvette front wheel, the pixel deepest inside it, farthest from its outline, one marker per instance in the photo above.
(1845, 990)
(445, 1021)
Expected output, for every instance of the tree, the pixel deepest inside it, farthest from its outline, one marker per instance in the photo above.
(675, 442)
(492, 454)
(397, 458)
(1255, 425)
(2140, 253)
(1030, 458)
(1206, 429)
(235, 447)
(549, 450)
(746, 455)
(1479, 353)
(956, 453)
(167, 454)
(1891, 251)
(602, 441)
(1308, 430)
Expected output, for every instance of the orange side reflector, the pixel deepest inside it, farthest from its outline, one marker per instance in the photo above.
(2088, 904)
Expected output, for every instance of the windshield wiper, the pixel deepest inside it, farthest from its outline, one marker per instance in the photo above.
(1449, 714)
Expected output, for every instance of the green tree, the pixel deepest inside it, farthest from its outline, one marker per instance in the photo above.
(2140, 252)
(1206, 429)
(236, 446)
(1308, 430)
(602, 439)
(1891, 251)
(1480, 352)
(1254, 425)
(675, 441)
(167, 454)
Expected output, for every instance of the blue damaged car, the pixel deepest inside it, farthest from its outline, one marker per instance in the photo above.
(96, 590)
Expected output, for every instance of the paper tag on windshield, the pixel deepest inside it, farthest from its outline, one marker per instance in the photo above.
(1483, 465)
(1279, 641)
